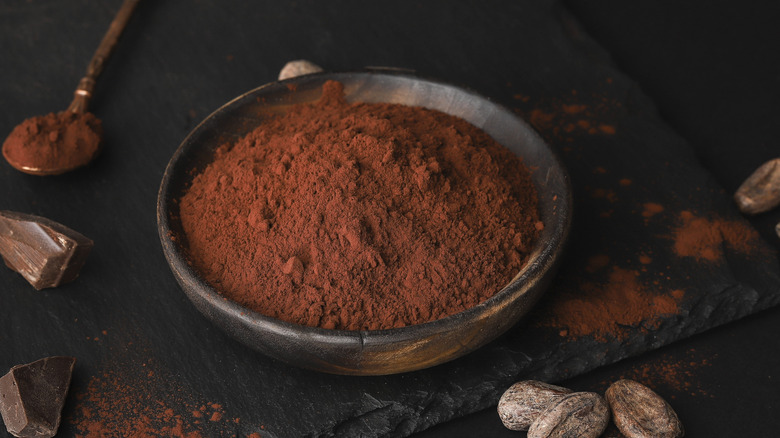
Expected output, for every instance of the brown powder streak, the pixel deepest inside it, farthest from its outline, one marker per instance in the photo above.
(606, 310)
(671, 374)
(651, 209)
(565, 119)
(704, 239)
(132, 400)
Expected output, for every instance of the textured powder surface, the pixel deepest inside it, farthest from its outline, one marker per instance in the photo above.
(62, 140)
(361, 216)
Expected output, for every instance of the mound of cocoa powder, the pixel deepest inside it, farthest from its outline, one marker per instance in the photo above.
(361, 216)
(61, 140)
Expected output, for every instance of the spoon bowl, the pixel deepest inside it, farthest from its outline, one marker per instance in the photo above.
(36, 146)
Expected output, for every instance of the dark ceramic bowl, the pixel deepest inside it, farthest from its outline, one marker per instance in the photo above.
(372, 352)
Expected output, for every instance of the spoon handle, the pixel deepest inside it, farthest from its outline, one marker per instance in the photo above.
(87, 84)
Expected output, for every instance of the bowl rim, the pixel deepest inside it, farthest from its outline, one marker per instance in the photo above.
(545, 254)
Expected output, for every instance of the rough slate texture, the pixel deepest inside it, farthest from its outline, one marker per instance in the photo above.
(133, 330)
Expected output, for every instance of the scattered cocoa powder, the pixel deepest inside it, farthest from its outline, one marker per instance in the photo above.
(605, 310)
(704, 239)
(130, 402)
(616, 299)
(607, 194)
(597, 262)
(671, 374)
(113, 406)
(607, 129)
(361, 216)
(63, 140)
(651, 209)
(566, 118)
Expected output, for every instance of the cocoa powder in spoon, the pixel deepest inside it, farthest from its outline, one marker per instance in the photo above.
(62, 140)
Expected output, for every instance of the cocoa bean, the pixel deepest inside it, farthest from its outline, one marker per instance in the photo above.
(761, 190)
(638, 412)
(524, 401)
(299, 67)
(576, 415)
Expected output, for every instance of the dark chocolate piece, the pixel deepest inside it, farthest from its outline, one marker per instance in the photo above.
(45, 252)
(32, 396)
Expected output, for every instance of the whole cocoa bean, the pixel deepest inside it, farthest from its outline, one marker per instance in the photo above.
(761, 190)
(524, 401)
(641, 413)
(576, 415)
(299, 67)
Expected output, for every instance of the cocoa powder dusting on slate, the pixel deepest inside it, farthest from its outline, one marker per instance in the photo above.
(605, 310)
(567, 118)
(651, 209)
(704, 238)
(361, 216)
(137, 402)
(614, 299)
(672, 374)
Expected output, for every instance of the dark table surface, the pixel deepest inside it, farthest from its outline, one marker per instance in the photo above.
(710, 67)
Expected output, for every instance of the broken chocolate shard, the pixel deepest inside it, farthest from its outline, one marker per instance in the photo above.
(32, 396)
(44, 252)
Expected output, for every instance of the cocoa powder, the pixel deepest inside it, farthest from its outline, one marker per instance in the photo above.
(570, 117)
(604, 310)
(58, 140)
(616, 297)
(361, 216)
(673, 375)
(136, 402)
(704, 238)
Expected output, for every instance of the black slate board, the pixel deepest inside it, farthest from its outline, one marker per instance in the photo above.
(130, 326)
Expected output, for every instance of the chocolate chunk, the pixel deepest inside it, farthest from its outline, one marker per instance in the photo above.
(32, 396)
(45, 252)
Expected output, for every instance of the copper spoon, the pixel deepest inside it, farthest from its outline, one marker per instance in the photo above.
(83, 93)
